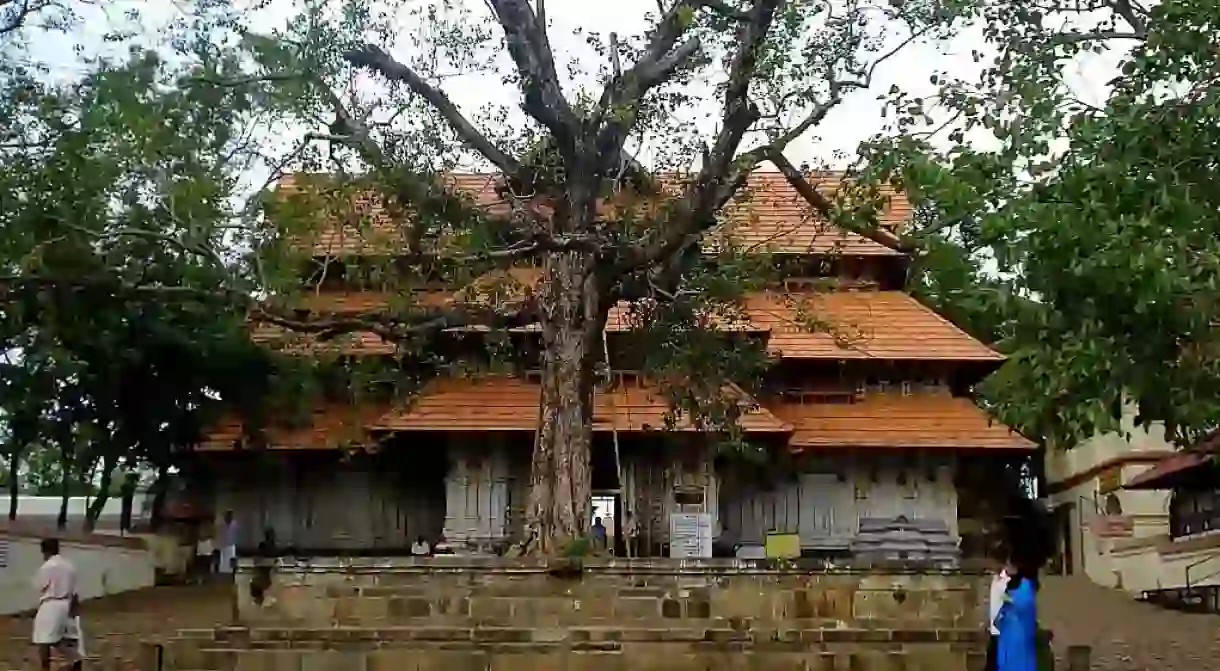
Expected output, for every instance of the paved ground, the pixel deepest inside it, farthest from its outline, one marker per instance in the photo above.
(1126, 635)
(115, 625)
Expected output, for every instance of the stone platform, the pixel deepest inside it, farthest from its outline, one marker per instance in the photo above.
(458, 613)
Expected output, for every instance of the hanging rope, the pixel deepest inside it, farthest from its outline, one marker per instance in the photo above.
(618, 463)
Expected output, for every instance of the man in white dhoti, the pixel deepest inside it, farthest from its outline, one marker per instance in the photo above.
(57, 623)
(228, 544)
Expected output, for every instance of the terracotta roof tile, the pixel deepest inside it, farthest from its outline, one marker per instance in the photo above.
(511, 404)
(860, 325)
(767, 215)
(891, 420)
(802, 325)
(329, 427)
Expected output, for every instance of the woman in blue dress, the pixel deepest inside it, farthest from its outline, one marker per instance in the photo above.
(1018, 624)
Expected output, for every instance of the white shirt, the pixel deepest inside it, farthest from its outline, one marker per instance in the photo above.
(56, 579)
(999, 585)
(204, 547)
(420, 549)
(228, 534)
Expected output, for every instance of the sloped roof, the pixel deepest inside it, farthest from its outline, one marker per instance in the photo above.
(1166, 472)
(501, 403)
(860, 325)
(329, 426)
(801, 325)
(922, 419)
(767, 215)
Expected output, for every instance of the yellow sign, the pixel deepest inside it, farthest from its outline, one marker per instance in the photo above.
(783, 546)
(1110, 479)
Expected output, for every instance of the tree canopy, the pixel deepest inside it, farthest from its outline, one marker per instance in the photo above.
(1080, 236)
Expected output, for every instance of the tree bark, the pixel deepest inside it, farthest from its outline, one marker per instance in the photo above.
(160, 489)
(94, 510)
(560, 479)
(65, 490)
(14, 487)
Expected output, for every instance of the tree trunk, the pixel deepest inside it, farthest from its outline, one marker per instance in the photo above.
(14, 487)
(65, 485)
(560, 479)
(160, 489)
(94, 510)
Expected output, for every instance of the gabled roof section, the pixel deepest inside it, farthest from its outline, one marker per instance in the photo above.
(831, 325)
(329, 426)
(860, 325)
(921, 419)
(767, 216)
(504, 403)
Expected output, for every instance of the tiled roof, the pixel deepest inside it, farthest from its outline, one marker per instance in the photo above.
(860, 325)
(1166, 472)
(767, 215)
(511, 404)
(329, 426)
(802, 325)
(923, 419)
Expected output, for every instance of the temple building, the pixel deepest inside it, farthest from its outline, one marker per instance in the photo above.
(884, 453)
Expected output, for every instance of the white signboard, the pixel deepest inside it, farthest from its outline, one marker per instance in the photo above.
(690, 535)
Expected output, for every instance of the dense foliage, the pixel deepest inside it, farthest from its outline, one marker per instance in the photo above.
(1081, 236)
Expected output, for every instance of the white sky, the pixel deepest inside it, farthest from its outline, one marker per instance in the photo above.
(853, 121)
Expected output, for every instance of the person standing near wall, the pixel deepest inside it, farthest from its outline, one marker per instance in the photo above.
(57, 622)
(999, 585)
(228, 544)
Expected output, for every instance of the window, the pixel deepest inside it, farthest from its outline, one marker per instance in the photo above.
(1193, 512)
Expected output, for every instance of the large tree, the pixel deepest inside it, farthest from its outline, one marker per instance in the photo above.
(604, 221)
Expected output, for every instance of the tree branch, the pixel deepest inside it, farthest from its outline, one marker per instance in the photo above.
(826, 208)
(720, 176)
(374, 58)
(398, 326)
(1075, 38)
(531, 52)
(620, 99)
(14, 13)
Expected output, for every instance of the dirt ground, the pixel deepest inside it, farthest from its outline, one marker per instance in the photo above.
(1126, 635)
(115, 625)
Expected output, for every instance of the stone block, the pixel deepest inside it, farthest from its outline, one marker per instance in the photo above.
(502, 635)
(448, 660)
(269, 660)
(530, 661)
(493, 608)
(597, 661)
(334, 660)
(742, 600)
(394, 659)
(548, 610)
(637, 608)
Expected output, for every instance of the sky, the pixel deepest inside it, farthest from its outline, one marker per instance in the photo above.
(858, 118)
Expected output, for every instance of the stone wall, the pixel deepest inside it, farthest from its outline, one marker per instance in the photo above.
(462, 613)
(105, 564)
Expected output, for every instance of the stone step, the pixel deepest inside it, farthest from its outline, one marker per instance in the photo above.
(708, 631)
(847, 607)
(700, 656)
